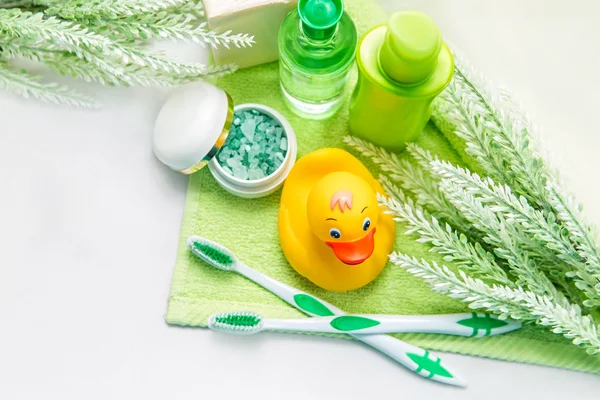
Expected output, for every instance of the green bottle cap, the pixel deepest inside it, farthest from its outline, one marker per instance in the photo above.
(412, 44)
(320, 17)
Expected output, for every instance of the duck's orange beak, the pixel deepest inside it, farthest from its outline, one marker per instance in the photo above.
(356, 252)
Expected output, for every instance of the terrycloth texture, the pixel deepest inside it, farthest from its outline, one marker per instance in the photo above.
(249, 229)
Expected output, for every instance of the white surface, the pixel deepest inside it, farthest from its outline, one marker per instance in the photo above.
(90, 219)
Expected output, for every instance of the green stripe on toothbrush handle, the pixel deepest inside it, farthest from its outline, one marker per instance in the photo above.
(312, 305)
(352, 323)
(394, 348)
(434, 367)
(486, 322)
(348, 323)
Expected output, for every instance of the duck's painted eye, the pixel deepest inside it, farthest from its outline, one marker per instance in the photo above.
(367, 224)
(335, 233)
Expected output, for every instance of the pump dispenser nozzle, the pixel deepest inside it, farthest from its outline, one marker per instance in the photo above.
(412, 44)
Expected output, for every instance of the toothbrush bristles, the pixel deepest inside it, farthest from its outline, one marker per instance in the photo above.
(212, 253)
(243, 322)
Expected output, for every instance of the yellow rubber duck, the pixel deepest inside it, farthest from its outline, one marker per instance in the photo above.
(331, 228)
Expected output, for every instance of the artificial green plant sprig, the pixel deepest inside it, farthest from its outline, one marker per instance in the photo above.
(68, 64)
(478, 117)
(453, 245)
(28, 86)
(498, 214)
(582, 235)
(414, 180)
(103, 41)
(545, 240)
(72, 9)
(504, 237)
(498, 135)
(563, 318)
(143, 19)
(521, 245)
(513, 132)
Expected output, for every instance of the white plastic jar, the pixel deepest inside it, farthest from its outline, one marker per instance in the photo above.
(192, 127)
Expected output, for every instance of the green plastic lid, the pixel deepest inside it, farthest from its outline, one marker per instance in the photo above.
(320, 17)
(412, 44)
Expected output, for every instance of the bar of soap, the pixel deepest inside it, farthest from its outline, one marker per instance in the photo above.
(261, 18)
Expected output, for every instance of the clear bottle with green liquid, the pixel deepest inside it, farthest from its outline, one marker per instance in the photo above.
(317, 45)
(402, 66)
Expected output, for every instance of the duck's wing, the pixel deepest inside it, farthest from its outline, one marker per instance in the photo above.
(294, 250)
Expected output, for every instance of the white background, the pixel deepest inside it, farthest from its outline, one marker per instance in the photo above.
(89, 222)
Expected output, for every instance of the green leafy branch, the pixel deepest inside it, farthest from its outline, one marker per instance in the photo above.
(414, 180)
(562, 317)
(102, 41)
(521, 245)
(19, 81)
(445, 240)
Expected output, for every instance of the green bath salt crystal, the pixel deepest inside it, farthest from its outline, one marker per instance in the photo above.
(255, 147)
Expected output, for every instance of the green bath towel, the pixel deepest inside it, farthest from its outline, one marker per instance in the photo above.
(249, 229)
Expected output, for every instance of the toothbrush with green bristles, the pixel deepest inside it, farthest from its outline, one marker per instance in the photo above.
(469, 324)
(414, 358)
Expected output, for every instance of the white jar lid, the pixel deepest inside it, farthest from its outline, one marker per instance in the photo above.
(192, 126)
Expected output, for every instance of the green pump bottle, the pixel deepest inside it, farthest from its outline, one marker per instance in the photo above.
(402, 67)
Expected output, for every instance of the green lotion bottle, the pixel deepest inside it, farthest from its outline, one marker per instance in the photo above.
(402, 67)
(317, 44)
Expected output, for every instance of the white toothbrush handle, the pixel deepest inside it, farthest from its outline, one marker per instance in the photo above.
(413, 358)
(466, 324)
